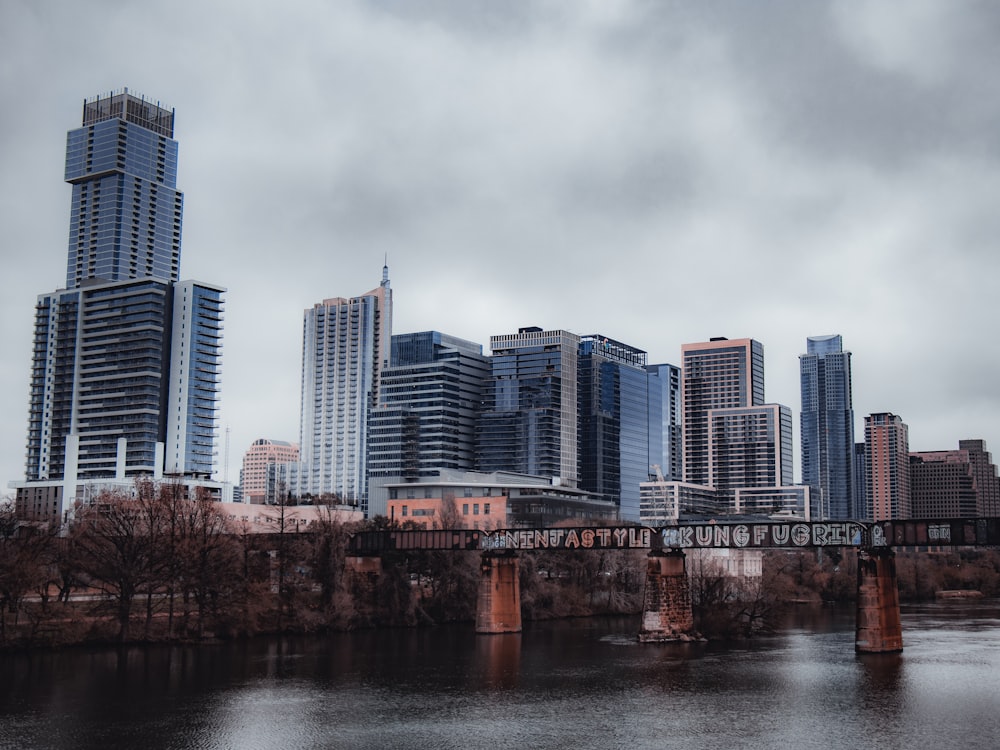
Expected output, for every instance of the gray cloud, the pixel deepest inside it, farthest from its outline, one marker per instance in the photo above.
(659, 172)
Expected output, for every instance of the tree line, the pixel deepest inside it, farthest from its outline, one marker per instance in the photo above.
(153, 565)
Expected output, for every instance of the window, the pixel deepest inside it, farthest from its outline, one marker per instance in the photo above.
(467, 492)
(475, 509)
(486, 509)
(465, 509)
(405, 510)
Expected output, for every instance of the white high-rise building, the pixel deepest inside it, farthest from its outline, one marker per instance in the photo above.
(345, 344)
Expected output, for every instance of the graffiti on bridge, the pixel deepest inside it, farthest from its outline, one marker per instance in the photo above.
(749, 535)
(610, 537)
(709, 535)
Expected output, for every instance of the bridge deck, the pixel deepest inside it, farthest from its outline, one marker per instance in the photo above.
(949, 532)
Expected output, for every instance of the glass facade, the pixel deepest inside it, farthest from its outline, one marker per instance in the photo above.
(827, 426)
(529, 423)
(430, 398)
(195, 376)
(665, 415)
(126, 360)
(125, 220)
(613, 438)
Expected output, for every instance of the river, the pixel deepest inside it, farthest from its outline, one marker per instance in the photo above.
(567, 684)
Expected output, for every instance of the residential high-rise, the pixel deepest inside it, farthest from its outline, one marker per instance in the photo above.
(529, 422)
(717, 374)
(126, 359)
(827, 425)
(258, 462)
(735, 445)
(429, 400)
(345, 346)
(887, 467)
(613, 433)
(750, 447)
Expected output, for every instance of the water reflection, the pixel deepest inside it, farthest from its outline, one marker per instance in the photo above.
(500, 657)
(580, 684)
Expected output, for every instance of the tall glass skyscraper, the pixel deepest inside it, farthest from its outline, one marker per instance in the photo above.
(529, 422)
(827, 425)
(126, 359)
(613, 436)
(665, 420)
(125, 221)
(345, 347)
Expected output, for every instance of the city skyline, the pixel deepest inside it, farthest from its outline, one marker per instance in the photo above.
(661, 177)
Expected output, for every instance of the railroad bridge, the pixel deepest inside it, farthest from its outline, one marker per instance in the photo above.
(667, 613)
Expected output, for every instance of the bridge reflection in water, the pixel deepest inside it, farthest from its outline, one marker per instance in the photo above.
(667, 614)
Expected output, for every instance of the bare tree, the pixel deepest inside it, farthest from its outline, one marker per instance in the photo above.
(111, 547)
(22, 563)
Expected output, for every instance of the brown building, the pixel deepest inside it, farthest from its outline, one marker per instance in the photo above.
(985, 472)
(262, 454)
(478, 500)
(887, 467)
(942, 485)
(959, 483)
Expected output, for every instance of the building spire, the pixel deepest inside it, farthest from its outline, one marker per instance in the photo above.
(385, 271)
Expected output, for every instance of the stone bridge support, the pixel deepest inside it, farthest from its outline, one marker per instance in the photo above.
(666, 611)
(498, 607)
(878, 629)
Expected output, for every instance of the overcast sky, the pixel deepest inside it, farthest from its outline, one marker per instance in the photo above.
(657, 172)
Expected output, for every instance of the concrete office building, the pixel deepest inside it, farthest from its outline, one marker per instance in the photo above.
(959, 483)
(985, 473)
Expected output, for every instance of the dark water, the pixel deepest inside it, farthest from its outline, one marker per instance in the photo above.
(575, 684)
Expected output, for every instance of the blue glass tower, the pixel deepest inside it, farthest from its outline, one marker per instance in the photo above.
(827, 425)
(529, 422)
(665, 416)
(613, 441)
(125, 220)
